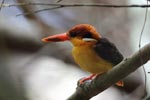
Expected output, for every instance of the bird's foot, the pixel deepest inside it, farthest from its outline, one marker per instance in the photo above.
(81, 81)
(120, 83)
(92, 76)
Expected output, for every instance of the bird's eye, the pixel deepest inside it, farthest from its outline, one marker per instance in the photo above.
(73, 34)
(87, 35)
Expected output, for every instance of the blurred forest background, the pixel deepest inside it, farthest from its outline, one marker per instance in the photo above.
(32, 70)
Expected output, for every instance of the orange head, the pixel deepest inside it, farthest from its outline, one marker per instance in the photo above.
(78, 35)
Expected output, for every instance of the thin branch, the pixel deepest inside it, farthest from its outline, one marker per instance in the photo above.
(30, 12)
(143, 27)
(79, 5)
(140, 39)
(120, 71)
(57, 6)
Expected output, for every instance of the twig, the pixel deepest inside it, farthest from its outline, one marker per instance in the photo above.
(79, 5)
(145, 18)
(90, 89)
(140, 39)
(27, 13)
(57, 6)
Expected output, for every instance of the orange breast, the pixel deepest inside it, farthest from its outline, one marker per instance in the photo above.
(88, 60)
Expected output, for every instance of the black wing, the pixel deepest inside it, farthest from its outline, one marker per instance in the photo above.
(108, 51)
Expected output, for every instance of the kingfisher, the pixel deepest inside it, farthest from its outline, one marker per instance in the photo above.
(92, 52)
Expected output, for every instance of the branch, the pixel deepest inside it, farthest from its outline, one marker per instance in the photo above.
(120, 71)
(31, 12)
(79, 5)
(58, 6)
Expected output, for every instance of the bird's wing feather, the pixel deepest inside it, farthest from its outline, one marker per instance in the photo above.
(108, 51)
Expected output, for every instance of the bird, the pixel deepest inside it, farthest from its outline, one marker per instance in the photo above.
(91, 51)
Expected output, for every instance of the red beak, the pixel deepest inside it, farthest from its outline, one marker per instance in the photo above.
(56, 38)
